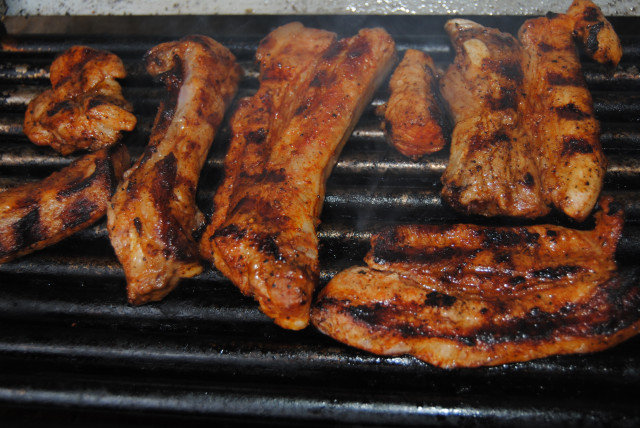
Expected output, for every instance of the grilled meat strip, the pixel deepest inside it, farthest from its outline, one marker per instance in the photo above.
(285, 141)
(36, 215)
(596, 34)
(467, 296)
(560, 117)
(413, 119)
(490, 170)
(153, 213)
(85, 108)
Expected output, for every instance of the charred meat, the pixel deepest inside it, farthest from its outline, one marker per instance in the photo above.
(153, 213)
(595, 33)
(491, 170)
(85, 109)
(285, 141)
(413, 119)
(36, 215)
(467, 296)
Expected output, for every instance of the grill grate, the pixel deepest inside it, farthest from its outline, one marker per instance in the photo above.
(71, 345)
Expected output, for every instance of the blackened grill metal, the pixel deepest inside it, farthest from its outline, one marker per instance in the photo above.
(70, 345)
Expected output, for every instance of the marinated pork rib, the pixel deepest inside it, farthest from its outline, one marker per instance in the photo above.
(595, 32)
(36, 215)
(467, 296)
(285, 141)
(85, 109)
(153, 213)
(491, 170)
(413, 120)
(561, 122)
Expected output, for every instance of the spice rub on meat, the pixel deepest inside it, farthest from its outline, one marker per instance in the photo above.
(285, 141)
(413, 120)
(153, 213)
(490, 170)
(564, 132)
(468, 296)
(85, 108)
(36, 215)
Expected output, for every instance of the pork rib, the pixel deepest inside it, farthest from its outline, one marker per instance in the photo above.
(285, 141)
(153, 213)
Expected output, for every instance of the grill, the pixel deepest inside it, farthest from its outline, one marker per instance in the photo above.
(73, 352)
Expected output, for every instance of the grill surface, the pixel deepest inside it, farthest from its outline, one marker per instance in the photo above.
(72, 352)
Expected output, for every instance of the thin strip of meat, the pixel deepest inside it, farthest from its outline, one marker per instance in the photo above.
(85, 108)
(285, 141)
(491, 170)
(596, 34)
(467, 296)
(36, 215)
(153, 213)
(413, 119)
(560, 118)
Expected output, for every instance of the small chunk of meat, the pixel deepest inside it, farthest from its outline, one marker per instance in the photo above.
(85, 109)
(595, 32)
(413, 118)
(36, 215)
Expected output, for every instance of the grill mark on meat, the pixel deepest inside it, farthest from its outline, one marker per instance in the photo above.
(559, 79)
(591, 44)
(333, 50)
(28, 230)
(556, 272)
(544, 47)
(267, 244)
(78, 212)
(440, 300)
(511, 70)
(571, 146)
(231, 231)
(386, 254)
(256, 137)
(95, 102)
(138, 225)
(267, 176)
(166, 177)
(528, 180)
(65, 105)
(506, 100)
(508, 238)
(102, 168)
(571, 112)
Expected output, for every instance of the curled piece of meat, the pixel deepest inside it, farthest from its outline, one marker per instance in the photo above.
(467, 296)
(596, 34)
(85, 108)
(285, 141)
(413, 119)
(36, 215)
(491, 170)
(152, 214)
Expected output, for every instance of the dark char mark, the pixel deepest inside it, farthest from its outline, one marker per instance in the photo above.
(333, 50)
(591, 14)
(231, 231)
(28, 230)
(544, 47)
(61, 106)
(267, 244)
(528, 180)
(78, 213)
(508, 238)
(591, 45)
(571, 112)
(383, 254)
(572, 146)
(138, 225)
(95, 102)
(439, 300)
(559, 79)
(557, 272)
(256, 137)
(102, 169)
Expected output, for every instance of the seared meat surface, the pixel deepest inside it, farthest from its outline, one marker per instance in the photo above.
(85, 108)
(413, 119)
(36, 215)
(490, 171)
(561, 123)
(285, 141)
(153, 213)
(467, 296)
(596, 34)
